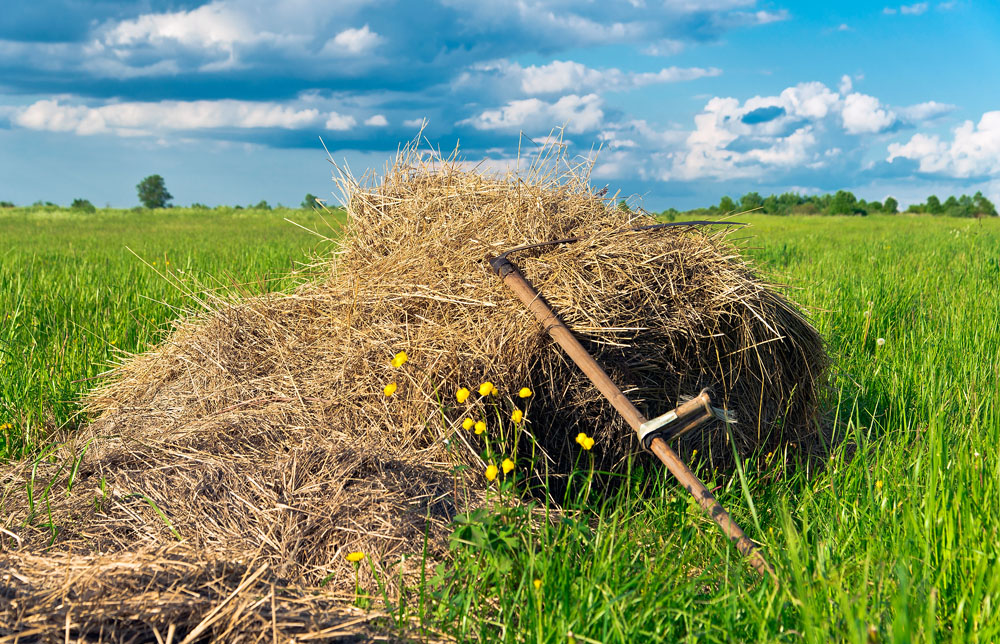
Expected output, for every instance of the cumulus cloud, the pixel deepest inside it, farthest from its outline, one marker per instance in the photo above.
(377, 120)
(926, 111)
(353, 42)
(142, 118)
(561, 76)
(864, 114)
(974, 150)
(537, 117)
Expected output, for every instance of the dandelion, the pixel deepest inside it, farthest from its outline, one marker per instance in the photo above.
(462, 395)
(467, 424)
(487, 388)
(5, 427)
(517, 416)
(355, 557)
(480, 427)
(390, 389)
(537, 584)
(879, 342)
(507, 465)
(524, 393)
(878, 485)
(399, 359)
(491, 472)
(586, 442)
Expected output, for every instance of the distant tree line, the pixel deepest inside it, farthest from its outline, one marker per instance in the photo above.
(153, 193)
(843, 202)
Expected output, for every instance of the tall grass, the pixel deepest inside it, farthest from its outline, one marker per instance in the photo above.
(79, 291)
(896, 538)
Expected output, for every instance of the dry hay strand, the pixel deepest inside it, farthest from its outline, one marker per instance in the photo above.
(260, 431)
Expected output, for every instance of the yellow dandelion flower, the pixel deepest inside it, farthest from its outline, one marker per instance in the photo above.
(694, 453)
(507, 465)
(467, 424)
(355, 557)
(5, 427)
(580, 438)
(878, 485)
(462, 395)
(399, 359)
(491, 472)
(537, 583)
(480, 427)
(517, 416)
(588, 444)
(524, 393)
(486, 389)
(390, 389)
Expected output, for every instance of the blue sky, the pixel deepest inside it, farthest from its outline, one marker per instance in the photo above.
(687, 100)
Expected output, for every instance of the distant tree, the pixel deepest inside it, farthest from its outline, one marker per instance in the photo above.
(199, 206)
(83, 205)
(751, 201)
(153, 192)
(6, 204)
(726, 204)
(843, 203)
(934, 205)
(262, 205)
(890, 206)
(770, 205)
(623, 205)
(874, 206)
(311, 201)
(983, 207)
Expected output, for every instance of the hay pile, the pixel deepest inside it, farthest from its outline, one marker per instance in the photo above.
(259, 435)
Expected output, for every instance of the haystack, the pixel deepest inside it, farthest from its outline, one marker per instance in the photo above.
(245, 455)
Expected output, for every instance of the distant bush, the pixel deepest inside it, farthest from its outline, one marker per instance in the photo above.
(261, 205)
(6, 204)
(199, 206)
(311, 201)
(83, 205)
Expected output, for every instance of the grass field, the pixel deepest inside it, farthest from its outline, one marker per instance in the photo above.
(73, 296)
(896, 539)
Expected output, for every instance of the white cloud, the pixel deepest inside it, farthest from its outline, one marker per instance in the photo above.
(352, 41)
(664, 47)
(845, 86)
(864, 114)
(414, 122)
(889, 11)
(561, 76)
(926, 111)
(535, 116)
(843, 27)
(140, 118)
(973, 151)
(914, 9)
(339, 122)
(377, 120)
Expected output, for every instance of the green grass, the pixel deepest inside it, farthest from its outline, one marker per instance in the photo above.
(897, 539)
(73, 297)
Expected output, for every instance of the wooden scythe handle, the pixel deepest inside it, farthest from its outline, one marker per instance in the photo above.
(517, 283)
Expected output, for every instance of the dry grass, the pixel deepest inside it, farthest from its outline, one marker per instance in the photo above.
(259, 435)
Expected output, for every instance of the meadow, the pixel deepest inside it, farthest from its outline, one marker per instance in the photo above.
(894, 538)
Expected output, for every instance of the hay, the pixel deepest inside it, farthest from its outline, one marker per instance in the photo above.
(259, 434)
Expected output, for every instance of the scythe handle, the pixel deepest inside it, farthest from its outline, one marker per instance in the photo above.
(517, 283)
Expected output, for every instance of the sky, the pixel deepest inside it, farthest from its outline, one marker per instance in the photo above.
(681, 101)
